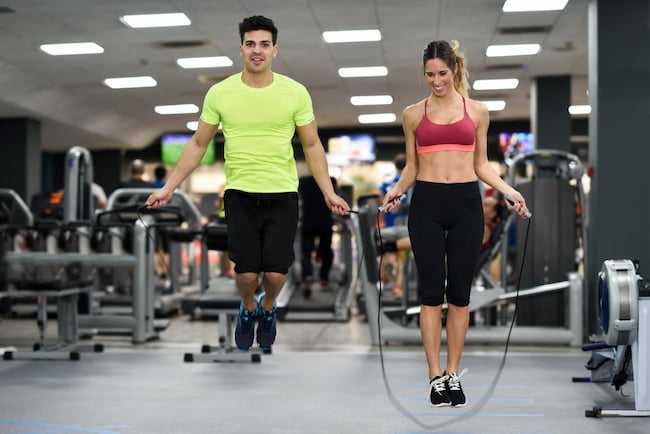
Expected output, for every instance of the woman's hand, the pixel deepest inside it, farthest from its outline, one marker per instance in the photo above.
(519, 205)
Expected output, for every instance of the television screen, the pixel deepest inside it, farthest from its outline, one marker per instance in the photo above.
(351, 149)
(171, 146)
(513, 144)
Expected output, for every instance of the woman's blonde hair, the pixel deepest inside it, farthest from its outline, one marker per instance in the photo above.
(449, 53)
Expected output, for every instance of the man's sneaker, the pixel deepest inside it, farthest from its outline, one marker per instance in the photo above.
(438, 396)
(266, 325)
(245, 329)
(454, 389)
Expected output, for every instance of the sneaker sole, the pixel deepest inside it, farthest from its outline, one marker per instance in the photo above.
(444, 404)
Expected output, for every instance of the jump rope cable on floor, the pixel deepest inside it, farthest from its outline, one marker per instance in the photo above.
(476, 408)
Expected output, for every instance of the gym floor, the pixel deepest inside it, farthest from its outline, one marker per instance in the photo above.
(321, 378)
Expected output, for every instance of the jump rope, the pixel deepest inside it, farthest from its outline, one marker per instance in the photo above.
(476, 408)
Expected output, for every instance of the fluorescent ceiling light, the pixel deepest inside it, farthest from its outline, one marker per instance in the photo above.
(73, 48)
(156, 20)
(500, 83)
(512, 50)
(371, 100)
(176, 109)
(364, 71)
(130, 82)
(534, 5)
(341, 36)
(495, 105)
(377, 118)
(580, 109)
(204, 62)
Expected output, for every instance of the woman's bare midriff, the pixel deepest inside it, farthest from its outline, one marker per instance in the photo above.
(446, 167)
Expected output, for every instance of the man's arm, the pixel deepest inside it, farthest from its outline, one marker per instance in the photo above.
(188, 160)
(317, 163)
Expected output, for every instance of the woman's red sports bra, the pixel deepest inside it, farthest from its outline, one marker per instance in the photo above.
(457, 136)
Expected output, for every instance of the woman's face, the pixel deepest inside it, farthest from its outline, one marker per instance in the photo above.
(439, 75)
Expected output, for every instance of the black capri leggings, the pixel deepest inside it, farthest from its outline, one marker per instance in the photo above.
(445, 222)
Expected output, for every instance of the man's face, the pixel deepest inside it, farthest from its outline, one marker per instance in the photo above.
(258, 51)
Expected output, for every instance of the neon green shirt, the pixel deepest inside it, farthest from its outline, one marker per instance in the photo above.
(258, 125)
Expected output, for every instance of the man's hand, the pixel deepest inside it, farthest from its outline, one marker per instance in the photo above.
(158, 198)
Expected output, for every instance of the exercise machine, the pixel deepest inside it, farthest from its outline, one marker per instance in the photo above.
(219, 297)
(393, 330)
(332, 303)
(624, 313)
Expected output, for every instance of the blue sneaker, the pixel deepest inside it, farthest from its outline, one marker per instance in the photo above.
(266, 326)
(245, 329)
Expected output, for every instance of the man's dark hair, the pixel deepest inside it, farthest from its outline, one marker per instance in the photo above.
(160, 172)
(258, 22)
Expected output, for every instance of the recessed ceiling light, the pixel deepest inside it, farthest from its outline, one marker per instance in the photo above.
(495, 105)
(204, 62)
(512, 50)
(130, 82)
(176, 109)
(534, 5)
(371, 100)
(363, 71)
(377, 118)
(499, 83)
(580, 109)
(71, 49)
(342, 36)
(156, 20)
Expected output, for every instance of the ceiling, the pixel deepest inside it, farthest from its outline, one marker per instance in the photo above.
(67, 94)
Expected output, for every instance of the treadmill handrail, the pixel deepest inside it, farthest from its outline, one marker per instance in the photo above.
(7, 192)
(195, 216)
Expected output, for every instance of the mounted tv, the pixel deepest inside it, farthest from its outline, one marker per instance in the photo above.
(351, 149)
(171, 146)
(513, 144)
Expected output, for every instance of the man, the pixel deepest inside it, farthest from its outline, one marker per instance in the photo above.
(317, 223)
(259, 111)
(136, 169)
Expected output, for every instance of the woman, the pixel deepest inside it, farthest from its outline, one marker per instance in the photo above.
(446, 141)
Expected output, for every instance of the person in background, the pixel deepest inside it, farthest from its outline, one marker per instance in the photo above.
(316, 224)
(99, 196)
(394, 229)
(160, 173)
(446, 154)
(260, 111)
(136, 171)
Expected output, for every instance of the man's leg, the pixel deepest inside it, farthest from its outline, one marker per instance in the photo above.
(273, 284)
(245, 329)
(247, 284)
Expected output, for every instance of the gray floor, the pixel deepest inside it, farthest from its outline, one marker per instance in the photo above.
(322, 378)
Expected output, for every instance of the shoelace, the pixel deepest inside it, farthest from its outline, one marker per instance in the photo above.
(454, 379)
(268, 315)
(438, 385)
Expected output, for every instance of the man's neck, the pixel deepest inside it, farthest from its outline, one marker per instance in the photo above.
(257, 80)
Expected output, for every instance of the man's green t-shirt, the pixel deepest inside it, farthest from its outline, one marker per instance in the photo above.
(258, 125)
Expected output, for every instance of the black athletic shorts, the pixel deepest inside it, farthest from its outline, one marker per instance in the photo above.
(261, 230)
